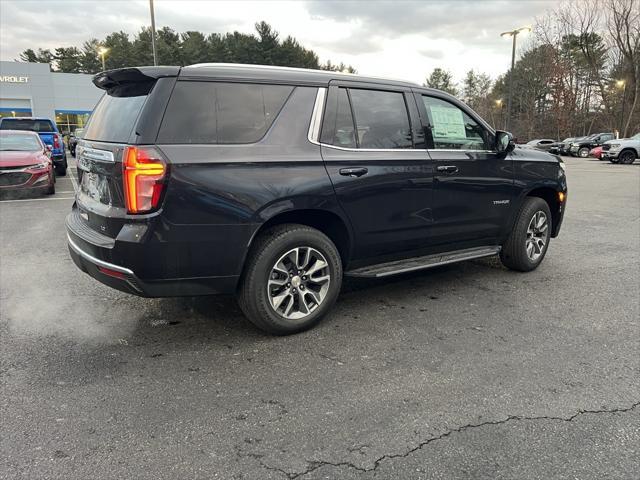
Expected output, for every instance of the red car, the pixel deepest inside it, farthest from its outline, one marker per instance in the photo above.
(25, 162)
(596, 152)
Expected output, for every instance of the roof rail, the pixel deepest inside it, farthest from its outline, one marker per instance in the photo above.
(292, 69)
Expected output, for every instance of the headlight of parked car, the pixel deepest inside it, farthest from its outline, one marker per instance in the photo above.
(614, 145)
(41, 166)
(574, 144)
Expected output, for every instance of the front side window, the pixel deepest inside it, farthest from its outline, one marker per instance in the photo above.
(223, 113)
(451, 127)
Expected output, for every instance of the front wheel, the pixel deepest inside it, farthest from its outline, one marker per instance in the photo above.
(292, 278)
(527, 245)
(627, 157)
(583, 152)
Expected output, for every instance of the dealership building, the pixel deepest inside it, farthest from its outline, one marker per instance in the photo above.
(33, 90)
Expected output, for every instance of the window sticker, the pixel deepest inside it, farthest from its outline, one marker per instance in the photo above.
(447, 122)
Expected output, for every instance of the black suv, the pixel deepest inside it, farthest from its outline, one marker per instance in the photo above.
(273, 182)
(581, 147)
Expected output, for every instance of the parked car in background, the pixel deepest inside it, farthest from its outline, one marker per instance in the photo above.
(73, 140)
(25, 162)
(48, 133)
(582, 147)
(562, 148)
(622, 150)
(540, 144)
(292, 178)
(596, 153)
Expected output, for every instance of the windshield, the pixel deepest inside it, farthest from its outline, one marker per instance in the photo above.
(19, 142)
(636, 137)
(26, 124)
(567, 139)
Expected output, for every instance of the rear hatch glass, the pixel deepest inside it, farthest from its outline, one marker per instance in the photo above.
(26, 124)
(99, 155)
(114, 118)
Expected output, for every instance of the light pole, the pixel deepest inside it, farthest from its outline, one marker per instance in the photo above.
(153, 33)
(499, 104)
(513, 34)
(102, 51)
(622, 84)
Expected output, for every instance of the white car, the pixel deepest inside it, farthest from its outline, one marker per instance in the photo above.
(622, 150)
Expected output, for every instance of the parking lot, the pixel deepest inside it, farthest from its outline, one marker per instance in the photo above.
(465, 371)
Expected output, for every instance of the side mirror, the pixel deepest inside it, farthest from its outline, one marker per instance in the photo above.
(504, 142)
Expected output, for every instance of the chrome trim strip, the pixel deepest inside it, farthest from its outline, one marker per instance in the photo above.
(95, 154)
(97, 261)
(316, 116)
(316, 122)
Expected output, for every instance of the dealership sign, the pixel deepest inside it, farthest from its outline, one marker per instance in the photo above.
(13, 79)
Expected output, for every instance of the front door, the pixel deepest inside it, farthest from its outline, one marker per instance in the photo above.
(373, 149)
(473, 185)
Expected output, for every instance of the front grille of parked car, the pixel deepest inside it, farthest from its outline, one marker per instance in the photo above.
(9, 179)
(606, 147)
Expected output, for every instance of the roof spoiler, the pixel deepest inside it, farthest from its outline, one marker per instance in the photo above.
(133, 81)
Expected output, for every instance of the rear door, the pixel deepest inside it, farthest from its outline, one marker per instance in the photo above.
(374, 152)
(473, 186)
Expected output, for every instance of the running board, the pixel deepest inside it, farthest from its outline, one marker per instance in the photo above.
(421, 263)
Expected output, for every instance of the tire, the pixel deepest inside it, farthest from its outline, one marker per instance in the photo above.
(52, 189)
(583, 152)
(62, 168)
(515, 252)
(257, 294)
(627, 157)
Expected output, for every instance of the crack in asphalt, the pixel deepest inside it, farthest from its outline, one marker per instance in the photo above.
(314, 465)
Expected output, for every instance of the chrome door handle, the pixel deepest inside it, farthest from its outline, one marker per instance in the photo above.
(354, 172)
(447, 168)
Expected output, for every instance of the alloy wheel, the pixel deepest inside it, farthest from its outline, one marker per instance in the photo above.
(537, 235)
(298, 282)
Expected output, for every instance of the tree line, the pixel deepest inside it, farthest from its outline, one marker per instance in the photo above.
(578, 74)
(172, 48)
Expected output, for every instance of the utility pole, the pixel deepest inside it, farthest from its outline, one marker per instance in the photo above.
(153, 33)
(623, 84)
(514, 34)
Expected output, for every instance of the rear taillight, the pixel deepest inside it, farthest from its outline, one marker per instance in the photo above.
(56, 141)
(144, 174)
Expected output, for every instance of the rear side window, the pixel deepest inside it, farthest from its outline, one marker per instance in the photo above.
(338, 128)
(382, 119)
(368, 119)
(113, 118)
(212, 112)
(26, 124)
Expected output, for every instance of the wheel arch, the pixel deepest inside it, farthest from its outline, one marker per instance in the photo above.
(328, 222)
(549, 195)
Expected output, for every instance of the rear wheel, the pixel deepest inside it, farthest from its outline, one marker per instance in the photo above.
(627, 157)
(527, 245)
(292, 279)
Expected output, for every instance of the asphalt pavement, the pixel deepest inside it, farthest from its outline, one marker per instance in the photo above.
(466, 371)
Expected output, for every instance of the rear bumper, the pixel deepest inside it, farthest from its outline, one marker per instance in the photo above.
(99, 260)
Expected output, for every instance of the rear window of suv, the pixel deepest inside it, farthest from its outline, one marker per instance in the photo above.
(40, 126)
(225, 113)
(114, 118)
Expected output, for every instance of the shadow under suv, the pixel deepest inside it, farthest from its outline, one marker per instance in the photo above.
(273, 183)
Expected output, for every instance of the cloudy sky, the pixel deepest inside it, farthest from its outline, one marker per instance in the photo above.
(384, 38)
